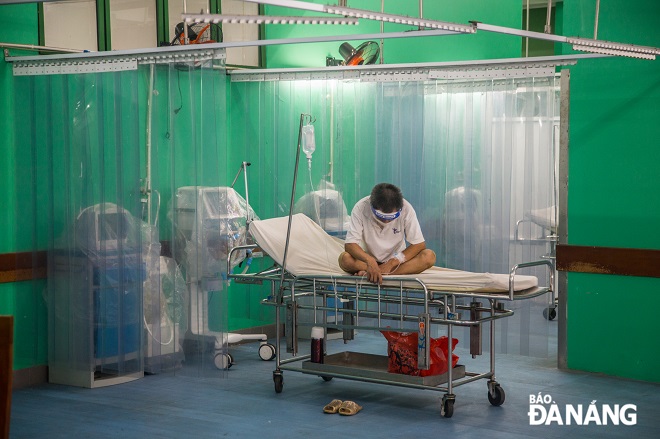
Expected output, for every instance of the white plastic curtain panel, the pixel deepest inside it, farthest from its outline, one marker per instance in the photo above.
(476, 158)
(107, 152)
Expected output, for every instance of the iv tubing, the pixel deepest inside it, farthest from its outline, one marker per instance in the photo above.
(332, 136)
(147, 184)
(247, 196)
(314, 199)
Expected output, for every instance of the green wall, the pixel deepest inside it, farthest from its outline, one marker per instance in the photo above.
(405, 50)
(24, 300)
(18, 24)
(613, 197)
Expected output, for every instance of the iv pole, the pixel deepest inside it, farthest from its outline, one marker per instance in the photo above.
(303, 117)
(243, 168)
(277, 373)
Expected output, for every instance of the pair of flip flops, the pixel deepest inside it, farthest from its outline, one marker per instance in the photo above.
(346, 408)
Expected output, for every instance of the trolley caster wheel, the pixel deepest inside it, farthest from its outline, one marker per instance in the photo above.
(326, 378)
(223, 361)
(447, 408)
(550, 312)
(278, 379)
(496, 395)
(266, 351)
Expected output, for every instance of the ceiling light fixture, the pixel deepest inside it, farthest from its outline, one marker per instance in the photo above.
(400, 19)
(610, 48)
(264, 19)
(612, 52)
(371, 15)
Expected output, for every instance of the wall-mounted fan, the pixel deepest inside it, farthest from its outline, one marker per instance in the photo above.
(198, 33)
(366, 53)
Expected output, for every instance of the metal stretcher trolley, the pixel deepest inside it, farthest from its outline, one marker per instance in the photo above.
(404, 303)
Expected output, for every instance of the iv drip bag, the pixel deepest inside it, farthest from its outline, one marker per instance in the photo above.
(308, 141)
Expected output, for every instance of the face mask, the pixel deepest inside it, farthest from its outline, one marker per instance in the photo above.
(386, 216)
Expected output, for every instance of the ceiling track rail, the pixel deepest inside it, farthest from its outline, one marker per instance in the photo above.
(94, 62)
(484, 69)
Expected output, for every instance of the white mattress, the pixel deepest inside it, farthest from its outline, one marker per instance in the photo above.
(544, 217)
(313, 252)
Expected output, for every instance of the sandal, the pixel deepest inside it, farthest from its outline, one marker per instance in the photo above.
(333, 407)
(349, 408)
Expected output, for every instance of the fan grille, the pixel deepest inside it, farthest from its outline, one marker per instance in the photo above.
(366, 53)
(198, 33)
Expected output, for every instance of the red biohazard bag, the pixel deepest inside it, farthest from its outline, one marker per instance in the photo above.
(402, 354)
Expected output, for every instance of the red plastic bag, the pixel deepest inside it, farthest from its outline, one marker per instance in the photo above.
(402, 354)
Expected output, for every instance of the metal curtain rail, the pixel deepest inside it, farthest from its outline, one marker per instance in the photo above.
(478, 69)
(95, 62)
(212, 46)
(543, 61)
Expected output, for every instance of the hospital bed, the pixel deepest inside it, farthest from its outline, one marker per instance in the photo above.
(305, 265)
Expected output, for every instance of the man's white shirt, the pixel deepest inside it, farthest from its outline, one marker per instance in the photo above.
(383, 240)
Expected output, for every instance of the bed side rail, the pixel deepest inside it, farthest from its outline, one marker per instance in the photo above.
(512, 274)
(250, 278)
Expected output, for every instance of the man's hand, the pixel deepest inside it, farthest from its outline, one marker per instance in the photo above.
(390, 266)
(374, 273)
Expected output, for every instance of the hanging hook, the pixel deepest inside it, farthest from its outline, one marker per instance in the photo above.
(308, 117)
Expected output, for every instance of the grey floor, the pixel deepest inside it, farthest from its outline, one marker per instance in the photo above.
(243, 404)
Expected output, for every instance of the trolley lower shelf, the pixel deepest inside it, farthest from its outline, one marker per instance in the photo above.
(374, 368)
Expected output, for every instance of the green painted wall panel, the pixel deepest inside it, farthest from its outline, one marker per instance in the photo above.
(26, 302)
(30, 331)
(18, 23)
(611, 328)
(613, 198)
(613, 164)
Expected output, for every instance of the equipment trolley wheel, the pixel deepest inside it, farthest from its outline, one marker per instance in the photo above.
(447, 408)
(326, 378)
(278, 379)
(550, 312)
(496, 395)
(223, 360)
(266, 351)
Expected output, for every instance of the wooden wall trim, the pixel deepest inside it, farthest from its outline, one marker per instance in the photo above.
(16, 267)
(608, 260)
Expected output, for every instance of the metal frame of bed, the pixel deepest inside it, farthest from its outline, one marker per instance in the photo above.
(550, 312)
(398, 305)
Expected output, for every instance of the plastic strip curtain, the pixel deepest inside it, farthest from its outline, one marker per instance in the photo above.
(189, 137)
(497, 141)
(475, 158)
(118, 301)
(81, 135)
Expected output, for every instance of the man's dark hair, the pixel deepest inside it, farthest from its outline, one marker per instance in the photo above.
(386, 197)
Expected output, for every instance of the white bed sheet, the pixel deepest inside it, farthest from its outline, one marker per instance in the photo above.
(313, 252)
(544, 217)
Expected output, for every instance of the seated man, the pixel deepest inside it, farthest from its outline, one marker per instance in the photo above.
(383, 222)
